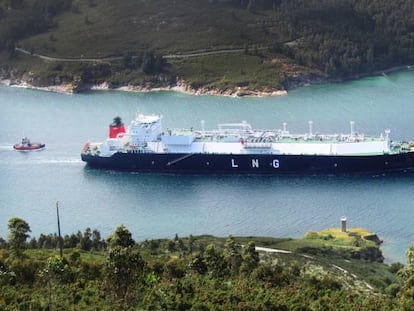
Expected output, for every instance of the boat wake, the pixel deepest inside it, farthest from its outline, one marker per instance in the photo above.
(6, 147)
(60, 161)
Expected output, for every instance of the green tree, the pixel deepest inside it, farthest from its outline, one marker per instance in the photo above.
(86, 242)
(191, 242)
(18, 234)
(214, 259)
(56, 271)
(232, 255)
(3, 243)
(250, 258)
(148, 62)
(406, 295)
(198, 264)
(121, 237)
(124, 266)
(127, 59)
(125, 269)
(174, 268)
(97, 243)
(159, 63)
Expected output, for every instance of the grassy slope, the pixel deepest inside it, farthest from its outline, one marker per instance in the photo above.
(113, 28)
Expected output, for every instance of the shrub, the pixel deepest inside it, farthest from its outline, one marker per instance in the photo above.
(393, 289)
(312, 235)
(174, 268)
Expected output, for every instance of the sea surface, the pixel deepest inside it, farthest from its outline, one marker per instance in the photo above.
(161, 205)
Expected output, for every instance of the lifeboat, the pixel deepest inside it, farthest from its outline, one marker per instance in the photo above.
(26, 145)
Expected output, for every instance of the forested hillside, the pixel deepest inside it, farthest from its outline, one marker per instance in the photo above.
(319, 272)
(250, 44)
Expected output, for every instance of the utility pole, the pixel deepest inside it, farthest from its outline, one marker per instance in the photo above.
(59, 237)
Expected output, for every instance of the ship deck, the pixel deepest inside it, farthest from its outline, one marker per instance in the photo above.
(273, 136)
(260, 139)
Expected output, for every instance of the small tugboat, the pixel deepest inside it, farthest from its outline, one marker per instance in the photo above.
(26, 145)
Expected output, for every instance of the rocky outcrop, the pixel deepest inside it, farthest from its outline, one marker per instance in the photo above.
(374, 238)
(60, 84)
(369, 253)
(298, 80)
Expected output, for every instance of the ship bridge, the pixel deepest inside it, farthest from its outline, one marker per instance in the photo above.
(145, 128)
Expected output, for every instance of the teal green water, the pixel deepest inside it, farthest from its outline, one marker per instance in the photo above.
(154, 205)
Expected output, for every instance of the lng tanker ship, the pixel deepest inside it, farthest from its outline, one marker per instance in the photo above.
(238, 148)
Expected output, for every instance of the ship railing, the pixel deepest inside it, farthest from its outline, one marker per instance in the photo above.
(138, 151)
(323, 138)
(242, 127)
(218, 135)
(249, 145)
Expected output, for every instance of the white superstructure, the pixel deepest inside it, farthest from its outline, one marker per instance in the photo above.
(145, 135)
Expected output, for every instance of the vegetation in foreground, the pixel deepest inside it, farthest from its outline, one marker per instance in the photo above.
(263, 45)
(196, 273)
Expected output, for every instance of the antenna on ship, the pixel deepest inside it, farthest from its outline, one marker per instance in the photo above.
(310, 127)
(284, 127)
(352, 123)
(387, 134)
(202, 125)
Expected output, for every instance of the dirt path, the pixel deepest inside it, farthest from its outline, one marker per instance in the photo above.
(168, 56)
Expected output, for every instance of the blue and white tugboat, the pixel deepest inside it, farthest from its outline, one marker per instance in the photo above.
(237, 148)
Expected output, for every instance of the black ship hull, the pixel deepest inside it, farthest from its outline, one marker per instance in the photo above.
(252, 163)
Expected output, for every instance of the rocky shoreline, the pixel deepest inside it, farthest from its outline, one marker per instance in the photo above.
(180, 86)
(71, 87)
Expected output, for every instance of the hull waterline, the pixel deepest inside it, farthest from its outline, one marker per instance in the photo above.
(253, 164)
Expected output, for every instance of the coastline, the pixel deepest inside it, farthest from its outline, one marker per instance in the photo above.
(69, 89)
(180, 86)
(184, 88)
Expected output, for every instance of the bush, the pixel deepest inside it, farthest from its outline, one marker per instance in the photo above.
(95, 73)
(174, 268)
(393, 289)
(395, 267)
(91, 270)
(312, 235)
(25, 270)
